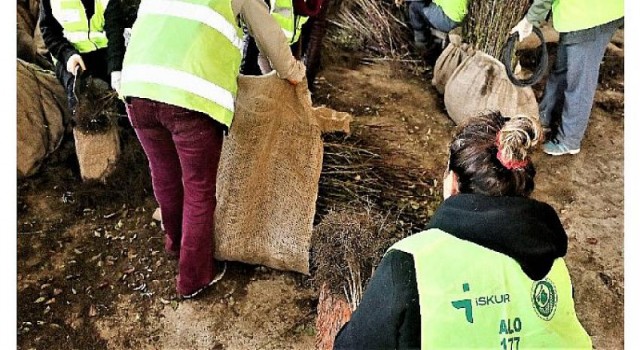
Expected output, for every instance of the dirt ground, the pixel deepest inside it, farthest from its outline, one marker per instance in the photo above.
(92, 273)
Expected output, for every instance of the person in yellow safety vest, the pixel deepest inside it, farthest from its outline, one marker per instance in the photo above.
(443, 15)
(585, 27)
(290, 21)
(85, 34)
(488, 272)
(179, 83)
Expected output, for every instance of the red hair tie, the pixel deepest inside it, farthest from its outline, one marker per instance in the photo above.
(509, 164)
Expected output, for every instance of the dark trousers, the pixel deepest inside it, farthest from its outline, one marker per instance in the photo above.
(183, 148)
(96, 63)
(424, 15)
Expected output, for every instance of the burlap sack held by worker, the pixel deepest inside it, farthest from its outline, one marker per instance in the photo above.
(480, 84)
(96, 133)
(41, 116)
(268, 176)
(448, 61)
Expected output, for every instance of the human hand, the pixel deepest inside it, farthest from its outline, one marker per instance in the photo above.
(74, 62)
(115, 80)
(524, 28)
(299, 73)
(399, 2)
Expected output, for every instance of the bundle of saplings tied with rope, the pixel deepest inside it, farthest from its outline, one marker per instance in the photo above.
(480, 82)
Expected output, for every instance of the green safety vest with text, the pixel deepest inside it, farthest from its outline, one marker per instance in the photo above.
(185, 53)
(84, 34)
(572, 15)
(282, 11)
(456, 10)
(474, 298)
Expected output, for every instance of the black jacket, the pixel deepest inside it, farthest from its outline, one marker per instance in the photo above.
(62, 49)
(528, 231)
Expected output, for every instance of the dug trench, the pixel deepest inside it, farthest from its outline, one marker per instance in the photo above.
(92, 273)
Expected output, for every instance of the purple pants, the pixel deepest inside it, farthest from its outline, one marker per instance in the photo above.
(183, 148)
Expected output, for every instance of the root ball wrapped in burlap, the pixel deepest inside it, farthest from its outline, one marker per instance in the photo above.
(480, 84)
(448, 61)
(96, 133)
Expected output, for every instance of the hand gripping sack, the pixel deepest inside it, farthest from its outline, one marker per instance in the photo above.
(480, 84)
(448, 61)
(268, 176)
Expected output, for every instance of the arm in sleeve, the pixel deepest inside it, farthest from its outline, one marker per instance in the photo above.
(270, 39)
(538, 11)
(388, 316)
(114, 29)
(52, 34)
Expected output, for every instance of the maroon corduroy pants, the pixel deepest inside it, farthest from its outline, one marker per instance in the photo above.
(183, 148)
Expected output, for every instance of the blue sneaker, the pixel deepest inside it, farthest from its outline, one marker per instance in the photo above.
(556, 148)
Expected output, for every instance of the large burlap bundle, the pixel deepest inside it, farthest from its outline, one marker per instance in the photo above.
(41, 116)
(268, 176)
(30, 45)
(448, 61)
(480, 84)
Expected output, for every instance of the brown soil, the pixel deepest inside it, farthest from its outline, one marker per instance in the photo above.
(92, 273)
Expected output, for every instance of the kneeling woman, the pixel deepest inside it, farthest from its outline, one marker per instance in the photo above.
(488, 272)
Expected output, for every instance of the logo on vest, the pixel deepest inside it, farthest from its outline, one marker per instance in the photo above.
(467, 304)
(544, 297)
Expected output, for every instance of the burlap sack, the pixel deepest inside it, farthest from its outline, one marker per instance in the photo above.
(96, 133)
(480, 84)
(331, 120)
(268, 176)
(448, 61)
(97, 154)
(41, 116)
(30, 46)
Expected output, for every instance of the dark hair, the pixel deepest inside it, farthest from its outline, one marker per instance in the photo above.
(490, 154)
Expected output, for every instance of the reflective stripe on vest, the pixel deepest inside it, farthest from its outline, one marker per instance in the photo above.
(456, 10)
(185, 53)
(291, 25)
(572, 15)
(85, 35)
(473, 297)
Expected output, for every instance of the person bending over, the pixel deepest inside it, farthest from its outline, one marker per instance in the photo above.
(489, 272)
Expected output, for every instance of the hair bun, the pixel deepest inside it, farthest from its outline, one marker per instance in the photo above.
(519, 135)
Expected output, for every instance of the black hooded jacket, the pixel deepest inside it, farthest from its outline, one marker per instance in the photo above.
(526, 230)
(62, 49)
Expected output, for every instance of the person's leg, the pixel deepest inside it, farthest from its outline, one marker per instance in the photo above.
(198, 140)
(583, 68)
(554, 90)
(437, 19)
(418, 24)
(164, 163)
